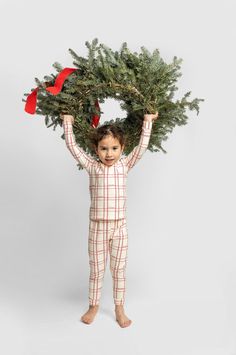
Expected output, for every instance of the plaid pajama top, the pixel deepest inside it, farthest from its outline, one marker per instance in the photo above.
(107, 184)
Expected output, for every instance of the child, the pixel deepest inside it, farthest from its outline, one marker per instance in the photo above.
(107, 226)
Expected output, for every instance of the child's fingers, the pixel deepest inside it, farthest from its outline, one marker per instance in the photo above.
(154, 116)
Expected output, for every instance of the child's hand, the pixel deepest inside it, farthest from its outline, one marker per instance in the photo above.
(67, 118)
(151, 117)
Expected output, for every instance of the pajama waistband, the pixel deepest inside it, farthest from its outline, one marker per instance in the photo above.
(107, 223)
(107, 220)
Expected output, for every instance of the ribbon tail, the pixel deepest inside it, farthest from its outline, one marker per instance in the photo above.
(96, 118)
(95, 121)
(31, 101)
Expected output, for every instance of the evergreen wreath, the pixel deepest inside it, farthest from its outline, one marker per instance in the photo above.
(141, 82)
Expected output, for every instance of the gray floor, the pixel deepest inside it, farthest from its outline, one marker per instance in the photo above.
(46, 320)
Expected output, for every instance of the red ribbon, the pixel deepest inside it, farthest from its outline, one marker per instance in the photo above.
(60, 81)
(31, 101)
(96, 118)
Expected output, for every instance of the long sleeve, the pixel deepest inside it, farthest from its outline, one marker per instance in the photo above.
(78, 153)
(136, 154)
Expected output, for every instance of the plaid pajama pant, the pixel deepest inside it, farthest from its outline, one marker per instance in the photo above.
(107, 236)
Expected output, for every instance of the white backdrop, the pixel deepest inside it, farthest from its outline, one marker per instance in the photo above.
(181, 272)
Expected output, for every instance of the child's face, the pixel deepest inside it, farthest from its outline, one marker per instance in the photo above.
(109, 150)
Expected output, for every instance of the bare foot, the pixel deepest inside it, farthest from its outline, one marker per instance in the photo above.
(121, 318)
(88, 317)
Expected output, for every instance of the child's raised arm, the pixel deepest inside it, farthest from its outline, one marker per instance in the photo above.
(136, 154)
(78, 153)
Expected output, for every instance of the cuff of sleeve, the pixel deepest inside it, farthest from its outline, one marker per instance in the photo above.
(65, 122)
(147, 124)
(67, 125)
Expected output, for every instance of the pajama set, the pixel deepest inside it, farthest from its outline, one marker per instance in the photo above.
(107, 215)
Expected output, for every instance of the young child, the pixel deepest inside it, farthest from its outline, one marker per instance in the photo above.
(107, 219)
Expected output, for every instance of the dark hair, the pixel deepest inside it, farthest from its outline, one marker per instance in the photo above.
(105, 130)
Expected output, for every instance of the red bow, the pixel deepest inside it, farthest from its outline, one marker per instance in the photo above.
(31, 101)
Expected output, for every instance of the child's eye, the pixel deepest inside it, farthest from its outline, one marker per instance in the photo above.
(115, 148)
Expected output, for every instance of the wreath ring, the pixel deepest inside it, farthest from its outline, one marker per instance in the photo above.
(141, 82)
